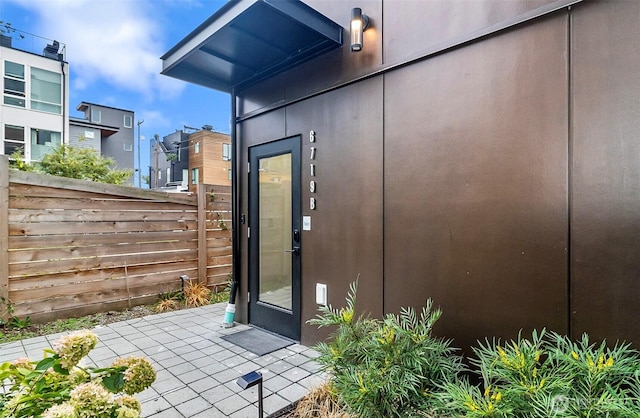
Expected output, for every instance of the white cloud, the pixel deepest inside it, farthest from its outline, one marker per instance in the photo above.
(155, 118)
(117, 42)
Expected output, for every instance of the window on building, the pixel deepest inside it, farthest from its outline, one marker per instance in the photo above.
(196, 148)
(96, 115)
(46, 91)
(168, 173)
(226, 152)
(185, 176)
(159, 174)
(195, 174)
(128, 121)
(42, 142)
(13, 139)
(229, 173)
(128, 146)
(14, 86)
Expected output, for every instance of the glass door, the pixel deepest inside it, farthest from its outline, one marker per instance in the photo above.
(275, 238)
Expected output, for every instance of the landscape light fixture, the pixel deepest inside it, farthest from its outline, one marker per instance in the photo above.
(182, 279)
(249, 380)
(359, 23)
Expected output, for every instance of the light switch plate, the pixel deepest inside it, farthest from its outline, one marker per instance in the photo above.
(321, 294)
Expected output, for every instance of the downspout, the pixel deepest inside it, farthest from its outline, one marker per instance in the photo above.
(64, 99)
(230, 311)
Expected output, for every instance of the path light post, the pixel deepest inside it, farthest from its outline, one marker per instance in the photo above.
(249, 380)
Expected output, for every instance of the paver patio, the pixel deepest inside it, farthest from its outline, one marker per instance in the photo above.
(196, 369)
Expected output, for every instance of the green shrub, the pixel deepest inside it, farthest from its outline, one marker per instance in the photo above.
(547, 376)
(58, 386)
(385, 368)
(76, 163)
(394, 367)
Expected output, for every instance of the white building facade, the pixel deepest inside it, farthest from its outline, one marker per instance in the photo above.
(33, 111)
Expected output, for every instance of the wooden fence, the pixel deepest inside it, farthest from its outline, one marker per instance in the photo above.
(72, 247)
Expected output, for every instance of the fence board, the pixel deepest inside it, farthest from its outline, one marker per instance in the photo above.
(92, 263)
(63, 228)
(92, 215)
(92, 240)
(75, 252)
(35, 179)
(217, 233)
(84, 297)
(26, 202)
(174, 269)
(218, 242)
(219, 270)
(20, 190)
(168, 281)
(73, 247)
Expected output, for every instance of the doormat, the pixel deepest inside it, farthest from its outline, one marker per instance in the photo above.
(257, 341)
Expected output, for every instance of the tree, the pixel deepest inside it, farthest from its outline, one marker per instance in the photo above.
(76, 163)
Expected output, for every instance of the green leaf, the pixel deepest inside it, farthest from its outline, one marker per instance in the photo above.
(59, 369)
(45, 363)
(40, 384)
(114, 382)
(23, 371)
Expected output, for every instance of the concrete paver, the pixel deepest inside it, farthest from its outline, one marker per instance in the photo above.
(196, 369)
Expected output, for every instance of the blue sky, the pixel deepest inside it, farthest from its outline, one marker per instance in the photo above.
(113, 48)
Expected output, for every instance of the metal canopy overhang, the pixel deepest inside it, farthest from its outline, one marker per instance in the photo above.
(250, 40)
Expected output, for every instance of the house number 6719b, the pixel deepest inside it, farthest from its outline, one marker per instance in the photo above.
(312, 166)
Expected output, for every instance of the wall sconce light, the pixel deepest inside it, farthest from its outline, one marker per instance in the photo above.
(249, 380)
(359, 23)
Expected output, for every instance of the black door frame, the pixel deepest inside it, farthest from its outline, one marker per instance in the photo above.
(270, 317)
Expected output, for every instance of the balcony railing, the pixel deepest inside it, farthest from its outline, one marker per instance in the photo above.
(11, 37)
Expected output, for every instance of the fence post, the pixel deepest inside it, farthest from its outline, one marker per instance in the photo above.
(202, 233)
(4, 235)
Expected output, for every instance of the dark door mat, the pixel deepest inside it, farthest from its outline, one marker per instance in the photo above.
(257, 341)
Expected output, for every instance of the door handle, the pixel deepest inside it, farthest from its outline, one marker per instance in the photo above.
(295, 250)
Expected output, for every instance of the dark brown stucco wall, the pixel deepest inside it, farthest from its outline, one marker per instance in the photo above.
(476, 184)
(605, 227)
(414, 25)
(500, 178)
(346, 238)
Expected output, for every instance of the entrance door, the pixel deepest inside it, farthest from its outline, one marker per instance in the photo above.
(275, 235)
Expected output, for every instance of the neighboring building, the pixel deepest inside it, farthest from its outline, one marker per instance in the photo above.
(209, 158)
(182, 160)
(108, 130)
(35, 86)
(484, 154)
(170, 161)
(33, 113)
